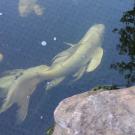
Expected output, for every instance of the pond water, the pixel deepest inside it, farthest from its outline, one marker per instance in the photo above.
(35, 36)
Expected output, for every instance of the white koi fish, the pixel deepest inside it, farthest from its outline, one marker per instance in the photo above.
(85, 56)
(25, 7)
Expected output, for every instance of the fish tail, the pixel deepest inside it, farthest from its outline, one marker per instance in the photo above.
(6, 82)
(7, 79)
(23, 109)
(6, 105)
(18, 86)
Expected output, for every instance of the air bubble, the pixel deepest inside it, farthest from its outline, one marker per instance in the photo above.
(41, 117)
(43, 43)
(54, 38)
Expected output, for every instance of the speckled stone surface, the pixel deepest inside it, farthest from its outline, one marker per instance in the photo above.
(97, 113)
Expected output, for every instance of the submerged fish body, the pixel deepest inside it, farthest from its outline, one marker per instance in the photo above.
(25, 7)
(85, 56)
(80, 55)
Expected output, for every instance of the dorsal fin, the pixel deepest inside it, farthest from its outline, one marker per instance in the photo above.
(62, 56)
(69, 44)
(12, 72)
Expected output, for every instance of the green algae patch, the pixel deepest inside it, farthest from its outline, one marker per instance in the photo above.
(50, 131)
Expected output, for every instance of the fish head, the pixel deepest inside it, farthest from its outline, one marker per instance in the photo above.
(96, 36)
(100, 28)
(93, 36)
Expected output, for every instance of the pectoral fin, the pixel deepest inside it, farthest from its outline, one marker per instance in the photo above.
(54, 83)
(80, 73)
(96, 60)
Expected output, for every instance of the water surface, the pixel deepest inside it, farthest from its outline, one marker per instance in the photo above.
(20, 43)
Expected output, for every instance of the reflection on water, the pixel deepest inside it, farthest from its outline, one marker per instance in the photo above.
(127, 46)
(25, 7)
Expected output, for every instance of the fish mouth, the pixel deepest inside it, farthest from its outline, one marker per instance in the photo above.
(99, 27)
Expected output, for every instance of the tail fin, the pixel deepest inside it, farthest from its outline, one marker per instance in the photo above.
(23, 109)
(6, 81)
(20, 88)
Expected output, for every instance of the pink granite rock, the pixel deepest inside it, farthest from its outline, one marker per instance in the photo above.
(97, 113)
